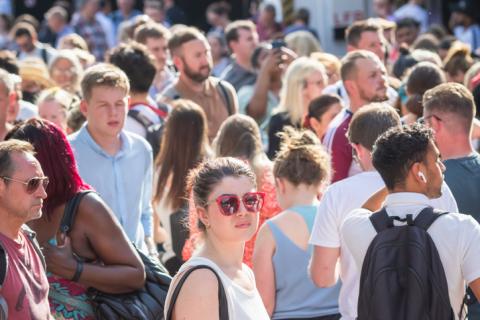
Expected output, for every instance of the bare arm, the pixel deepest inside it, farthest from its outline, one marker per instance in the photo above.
(263, 267)
(257, 106)
(375, 202)
(121, 270)
(475, 286)
(193, 303)
(323, 266)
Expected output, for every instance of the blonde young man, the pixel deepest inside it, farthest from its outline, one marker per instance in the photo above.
(117, 163)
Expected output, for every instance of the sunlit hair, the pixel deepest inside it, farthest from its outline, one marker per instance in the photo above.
(186, 122)
(239, 137)
(301, 159)
(303, 43)
(55, 155)
(291, 95)
(77, 70)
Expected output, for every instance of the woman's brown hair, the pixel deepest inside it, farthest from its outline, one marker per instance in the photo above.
(184, 145)
(301, 159)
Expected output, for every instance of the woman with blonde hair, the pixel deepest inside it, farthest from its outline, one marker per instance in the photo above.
(282, 252)
(65, 69)
(54, 105)
(304, 80)
(239, 137)
(303, 43)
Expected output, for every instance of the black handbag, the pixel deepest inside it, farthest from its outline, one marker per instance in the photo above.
(146, 303)
(222, 297)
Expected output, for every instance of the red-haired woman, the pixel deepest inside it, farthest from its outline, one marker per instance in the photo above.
(96, 252)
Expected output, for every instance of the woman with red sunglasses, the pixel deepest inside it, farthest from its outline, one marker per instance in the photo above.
(227, 206)
(282, 252)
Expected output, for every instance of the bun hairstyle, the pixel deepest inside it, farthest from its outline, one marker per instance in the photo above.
(301, 159)
(458, 59)
(203, 179)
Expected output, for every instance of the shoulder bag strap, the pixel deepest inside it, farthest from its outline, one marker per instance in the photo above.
(226, 96)
(222, 297)
(71, 210)
(381, 221)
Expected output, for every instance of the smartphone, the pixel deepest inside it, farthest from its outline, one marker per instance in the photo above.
(276, 44)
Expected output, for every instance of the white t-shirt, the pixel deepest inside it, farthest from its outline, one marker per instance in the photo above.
(455, 235)
(335, 206)
(242, 304)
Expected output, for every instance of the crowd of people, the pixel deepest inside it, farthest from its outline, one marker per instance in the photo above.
(245, 160)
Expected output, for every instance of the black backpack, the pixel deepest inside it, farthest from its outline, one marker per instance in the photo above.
(153, 130)
(145, 304)
(4, 267)
(402, 275)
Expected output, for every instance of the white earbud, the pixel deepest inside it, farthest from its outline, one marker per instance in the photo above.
(422, 177)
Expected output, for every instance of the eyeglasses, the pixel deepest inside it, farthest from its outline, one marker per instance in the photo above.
(31, 184)
(229, 204)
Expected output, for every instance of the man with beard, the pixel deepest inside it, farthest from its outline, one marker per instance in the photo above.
(363, 35)
(192, 58)
(365, 80)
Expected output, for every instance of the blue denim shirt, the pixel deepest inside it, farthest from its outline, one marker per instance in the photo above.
(124, 181)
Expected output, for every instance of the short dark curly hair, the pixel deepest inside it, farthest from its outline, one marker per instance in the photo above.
(397, 150)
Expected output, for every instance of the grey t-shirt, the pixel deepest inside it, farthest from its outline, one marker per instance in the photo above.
(463, 178)
(238, 76)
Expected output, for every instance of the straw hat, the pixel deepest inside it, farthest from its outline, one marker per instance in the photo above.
(34, 69)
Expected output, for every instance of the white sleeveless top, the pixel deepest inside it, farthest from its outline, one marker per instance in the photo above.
(242, 304)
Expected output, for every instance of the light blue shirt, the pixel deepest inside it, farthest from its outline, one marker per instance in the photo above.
(124, 181)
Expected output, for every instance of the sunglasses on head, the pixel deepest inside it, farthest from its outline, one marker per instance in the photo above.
(31, 184)
(229, 204)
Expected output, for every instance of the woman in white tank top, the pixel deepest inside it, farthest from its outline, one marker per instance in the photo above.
(227, 206)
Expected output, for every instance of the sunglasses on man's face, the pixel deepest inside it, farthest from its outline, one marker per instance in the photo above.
(31, 184)
(229, 204)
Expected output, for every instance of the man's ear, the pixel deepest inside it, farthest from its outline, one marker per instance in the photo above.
(83, 107)
(350, 86)
(178, 62)
(418, 171)
(12, 97)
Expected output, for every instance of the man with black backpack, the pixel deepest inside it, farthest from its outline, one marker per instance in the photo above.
(144, 116)
(415, 261)
(191, 55)
(23, 281)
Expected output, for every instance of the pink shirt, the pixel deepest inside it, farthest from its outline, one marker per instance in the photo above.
(26, 286)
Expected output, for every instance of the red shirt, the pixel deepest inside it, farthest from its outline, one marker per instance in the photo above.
(26, 286)
(338, 145)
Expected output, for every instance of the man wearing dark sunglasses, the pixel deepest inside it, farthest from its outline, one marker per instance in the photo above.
(23, 281)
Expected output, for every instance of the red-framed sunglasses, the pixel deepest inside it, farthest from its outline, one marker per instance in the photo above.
(229, 204)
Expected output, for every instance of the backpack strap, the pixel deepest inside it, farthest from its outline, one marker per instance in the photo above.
(222, 297)
(43, 52)
(226, 96)
(381, 221)
(140, 118)
(427, 217)
(32, 236)
(3, 265)
(70, 211)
